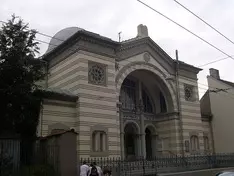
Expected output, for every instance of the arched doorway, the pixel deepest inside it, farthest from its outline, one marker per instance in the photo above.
(148, 143)
(142, 99)
(131, 139)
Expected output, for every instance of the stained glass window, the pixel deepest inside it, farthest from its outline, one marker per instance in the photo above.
(147, 103)
(163, 105)
(128, 94)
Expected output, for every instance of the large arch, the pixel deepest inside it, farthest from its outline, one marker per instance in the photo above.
(131, 67)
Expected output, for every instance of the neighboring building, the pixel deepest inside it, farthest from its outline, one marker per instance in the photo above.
(217, 107)
(120, 97)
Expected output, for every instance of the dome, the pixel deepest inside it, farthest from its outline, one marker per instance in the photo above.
(61, 36)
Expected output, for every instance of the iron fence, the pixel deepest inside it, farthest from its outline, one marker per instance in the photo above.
(162, 164)
(34, 159)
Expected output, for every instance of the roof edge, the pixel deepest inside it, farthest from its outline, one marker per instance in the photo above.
(53, 95)
(71, 40)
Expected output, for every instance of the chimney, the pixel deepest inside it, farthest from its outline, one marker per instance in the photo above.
(142, 31)
(214, 73)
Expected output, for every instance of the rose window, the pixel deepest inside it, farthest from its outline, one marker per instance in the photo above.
(97, 74)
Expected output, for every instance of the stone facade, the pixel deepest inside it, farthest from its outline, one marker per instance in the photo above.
(127, 102)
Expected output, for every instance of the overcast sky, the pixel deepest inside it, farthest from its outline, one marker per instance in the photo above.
(108, 17)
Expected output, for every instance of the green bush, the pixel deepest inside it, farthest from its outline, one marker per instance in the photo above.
(6, 165)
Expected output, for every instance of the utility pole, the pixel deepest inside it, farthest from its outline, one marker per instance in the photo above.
(179, 104)
(119, 36)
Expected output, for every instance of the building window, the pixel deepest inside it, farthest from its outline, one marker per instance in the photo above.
(147, 103)
(206, 143)
(194, 143)
(189, 92)
(163, 105)
(97, 74)
(128, 94)
(99, 141)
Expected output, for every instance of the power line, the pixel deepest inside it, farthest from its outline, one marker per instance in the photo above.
(217, 90)
(121, 64)
(43, 34)
(218, 60)
(186, 29)
(204, 21)
(46, 35)
(169, 20)
(127, 61)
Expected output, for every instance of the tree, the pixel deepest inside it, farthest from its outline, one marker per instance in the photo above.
(20, 96)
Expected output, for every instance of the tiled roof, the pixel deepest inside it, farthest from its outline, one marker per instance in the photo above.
(57, 134)
(61, 91)
(60, 94)
(97, 35)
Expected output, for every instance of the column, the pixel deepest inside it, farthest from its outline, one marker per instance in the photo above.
(103, 140)
(138, 145)
(154, 145)
(121, 130)
(142, 123)
(142, 130)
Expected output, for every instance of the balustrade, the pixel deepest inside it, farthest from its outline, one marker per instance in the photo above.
(132, 115)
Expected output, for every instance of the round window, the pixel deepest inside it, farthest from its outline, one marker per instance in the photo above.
(97, 74)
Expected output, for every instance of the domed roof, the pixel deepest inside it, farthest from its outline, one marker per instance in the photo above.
(61, 36)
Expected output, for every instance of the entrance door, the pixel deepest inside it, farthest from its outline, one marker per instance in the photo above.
(148, 142)
(129, 145)
(130, 141)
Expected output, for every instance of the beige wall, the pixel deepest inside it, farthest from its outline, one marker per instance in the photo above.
(97, 104)
(168, 137)
(191, 114)
(56, 114)
(222, 121)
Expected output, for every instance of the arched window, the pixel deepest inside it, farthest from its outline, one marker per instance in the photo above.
(128, 94)
(99, 141)
(206, 143)
(147, 103)
(163, 105)
(194, 143)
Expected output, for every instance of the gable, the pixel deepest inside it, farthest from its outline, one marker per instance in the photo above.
(138, 46)
(94, 43)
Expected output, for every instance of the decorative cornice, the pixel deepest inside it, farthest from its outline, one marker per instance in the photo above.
(117, 48)
(148, 41)
(79, 36)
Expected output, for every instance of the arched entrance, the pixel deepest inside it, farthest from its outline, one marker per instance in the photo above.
(148, 143)
(131, 140)
(141, 101)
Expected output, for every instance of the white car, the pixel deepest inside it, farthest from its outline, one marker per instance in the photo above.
(226, 173)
